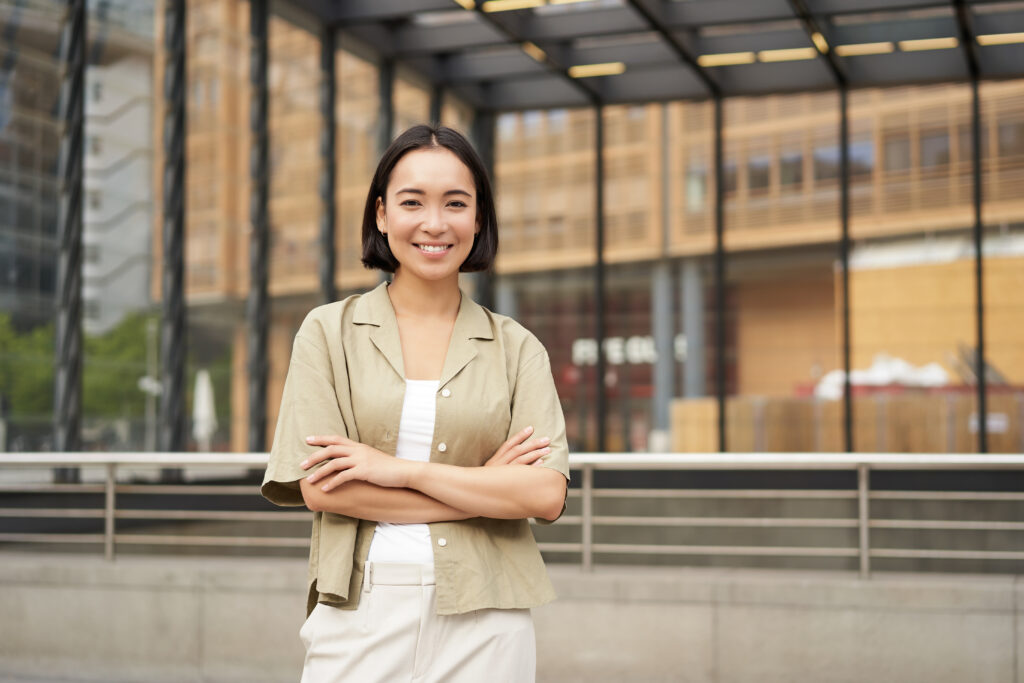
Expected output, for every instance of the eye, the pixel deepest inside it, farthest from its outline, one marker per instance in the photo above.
(410, 202)
(458, 204)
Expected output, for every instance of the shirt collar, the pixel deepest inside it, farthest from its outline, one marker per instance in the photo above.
(472, 322)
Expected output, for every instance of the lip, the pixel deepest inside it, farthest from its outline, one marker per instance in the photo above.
(433, 254)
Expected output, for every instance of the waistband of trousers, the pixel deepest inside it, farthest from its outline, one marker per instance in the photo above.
(398, 574)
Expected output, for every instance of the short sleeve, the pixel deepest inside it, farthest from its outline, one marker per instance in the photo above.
(535, 402)
(310, 405)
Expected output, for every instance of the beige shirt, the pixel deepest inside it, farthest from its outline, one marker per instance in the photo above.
(346, 377)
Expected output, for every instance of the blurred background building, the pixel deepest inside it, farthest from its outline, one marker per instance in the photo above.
(911, 308)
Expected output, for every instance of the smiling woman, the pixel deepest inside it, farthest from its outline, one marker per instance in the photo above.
(424, 431)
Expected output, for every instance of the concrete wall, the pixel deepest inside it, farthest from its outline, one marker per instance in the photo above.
(170, 619)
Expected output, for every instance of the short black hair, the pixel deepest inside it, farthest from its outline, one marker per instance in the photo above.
(376, 252)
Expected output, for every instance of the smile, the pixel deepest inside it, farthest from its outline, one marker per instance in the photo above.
(434, 248)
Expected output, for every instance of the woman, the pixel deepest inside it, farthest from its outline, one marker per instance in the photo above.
(423, 430)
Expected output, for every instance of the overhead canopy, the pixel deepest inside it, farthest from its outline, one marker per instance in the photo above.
(521, 54)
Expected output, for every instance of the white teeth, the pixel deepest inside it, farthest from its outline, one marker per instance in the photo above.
(433, 249)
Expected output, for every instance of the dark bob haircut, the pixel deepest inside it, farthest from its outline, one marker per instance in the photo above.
(376, 252)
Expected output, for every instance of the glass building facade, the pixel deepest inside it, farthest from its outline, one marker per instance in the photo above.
(768, 336)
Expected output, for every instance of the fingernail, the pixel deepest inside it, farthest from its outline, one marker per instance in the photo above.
(545, 439)
(309, 438)
(545, 451)
(304, 464)
(528, 429)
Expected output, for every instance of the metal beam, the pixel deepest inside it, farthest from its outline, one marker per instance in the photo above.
(436, 103)
(656, 22)
(599, 278)
(844, 260)
(979, 268)
(258, 305)
(811, 26)
(386, 99)
(589, 91)
(719, 259)
(67, 404)
(482, 134)
(328, 207)
(173, 340)
(966, 37)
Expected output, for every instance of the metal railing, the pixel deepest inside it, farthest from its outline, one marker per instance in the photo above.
(101, 476)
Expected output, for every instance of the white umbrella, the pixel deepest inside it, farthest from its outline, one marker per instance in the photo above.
(204, 411)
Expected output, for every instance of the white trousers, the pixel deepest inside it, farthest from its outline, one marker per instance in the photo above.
(395, 635)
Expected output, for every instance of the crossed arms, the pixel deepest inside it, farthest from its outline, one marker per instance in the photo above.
(360, 481)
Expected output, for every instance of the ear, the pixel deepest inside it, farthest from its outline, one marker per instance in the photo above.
(381, 218)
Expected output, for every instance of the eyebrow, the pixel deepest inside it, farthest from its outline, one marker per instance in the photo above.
(413, 190)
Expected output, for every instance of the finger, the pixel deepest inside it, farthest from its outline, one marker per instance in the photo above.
(528, 446)
(532, 457)
(340, 478)
(322, 454)
(328, 440)
(503, 454)
(332, 465)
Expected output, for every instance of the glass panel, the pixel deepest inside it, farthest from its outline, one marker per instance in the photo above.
(911, 277)
(29, 147)
(358, 119)
(544, 178)
(1002, 106)
(780, 334)
(412, 104)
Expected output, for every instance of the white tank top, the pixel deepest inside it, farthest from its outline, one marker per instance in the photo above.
(410, 542)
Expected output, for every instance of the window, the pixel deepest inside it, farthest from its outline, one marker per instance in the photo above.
(826, 163)
(965, 144)
(934, 149)
(91, 253)
(97, 91)
(507, 126)
(92, 309)
(696, 186)
(95, 144)
(862, 159)
(729, 177)
(557, 119)
(759, 174)
(95, 199)
(531, 123)
(1011, 138)
(897, 153)
(791, 169)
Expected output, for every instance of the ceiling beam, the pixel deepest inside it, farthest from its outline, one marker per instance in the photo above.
(966, 36)
(812, 27)
(655, 20)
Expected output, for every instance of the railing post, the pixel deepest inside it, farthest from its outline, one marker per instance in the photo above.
(588, 518)
(108, 513)
(863, 521)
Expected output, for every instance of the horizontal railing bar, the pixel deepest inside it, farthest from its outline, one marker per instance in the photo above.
(609, 461)
(947, 554)
(50, 538)
(945, 524)
(560, 547)
(51, 488)
(216, 515)
(628, 548)
(793, 522)
(29, 513)
(169, 539)
(720, 493)
(190, 489)
(946, 495)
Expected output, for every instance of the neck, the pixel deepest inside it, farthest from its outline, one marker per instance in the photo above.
(415, 298)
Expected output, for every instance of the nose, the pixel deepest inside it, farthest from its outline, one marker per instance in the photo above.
(434, 222)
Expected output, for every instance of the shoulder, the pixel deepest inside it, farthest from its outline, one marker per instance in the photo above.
(520, 344)
(327, 321)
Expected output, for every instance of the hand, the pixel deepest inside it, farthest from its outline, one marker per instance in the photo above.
(347, 460)
(517, 450)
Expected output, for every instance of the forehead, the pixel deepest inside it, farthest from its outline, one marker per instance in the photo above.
(432, 168)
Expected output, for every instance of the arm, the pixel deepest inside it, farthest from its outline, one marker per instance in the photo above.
(402, 504)
(363, 500)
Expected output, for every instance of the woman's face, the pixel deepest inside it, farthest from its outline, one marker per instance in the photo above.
(429, 214)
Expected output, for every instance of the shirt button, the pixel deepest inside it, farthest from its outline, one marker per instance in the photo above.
(442, 447)
(446, 392)
(442, 542)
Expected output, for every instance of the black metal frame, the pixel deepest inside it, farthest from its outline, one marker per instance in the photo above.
(258, 304)
(173, 344)
(67, 424)
(328, 206)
